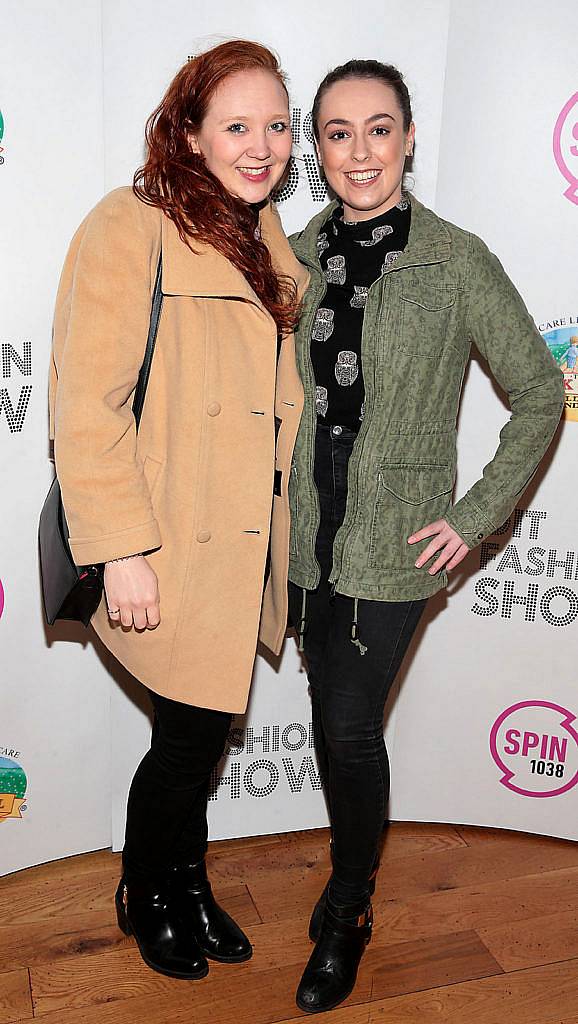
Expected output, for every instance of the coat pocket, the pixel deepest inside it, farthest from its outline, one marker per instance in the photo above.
(425, 319)
(409, 496)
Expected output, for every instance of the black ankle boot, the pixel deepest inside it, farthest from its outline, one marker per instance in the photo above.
(218, 936)
(331, 973)
(319, 908)
(146, 911)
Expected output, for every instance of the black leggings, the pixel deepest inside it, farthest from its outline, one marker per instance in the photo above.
(349, 688)
(166, 822)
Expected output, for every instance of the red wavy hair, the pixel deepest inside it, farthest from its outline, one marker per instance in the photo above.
(179, 182)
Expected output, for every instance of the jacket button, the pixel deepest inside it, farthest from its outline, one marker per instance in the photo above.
(480, 536)
(214, 408)
(203, 536)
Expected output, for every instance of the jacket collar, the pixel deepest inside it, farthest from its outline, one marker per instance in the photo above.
(429, 240)
(202, 271)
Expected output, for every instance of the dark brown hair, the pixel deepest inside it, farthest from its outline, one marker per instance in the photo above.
(386, 73)
(179, 182)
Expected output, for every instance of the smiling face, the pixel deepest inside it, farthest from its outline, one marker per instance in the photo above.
(363, 145)
(245, 136)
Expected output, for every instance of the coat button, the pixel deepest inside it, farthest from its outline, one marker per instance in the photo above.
(480, 536)
(203, 536)
(214, 408)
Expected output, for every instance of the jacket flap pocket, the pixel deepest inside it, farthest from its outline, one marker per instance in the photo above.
(416, 482)
(432, 297)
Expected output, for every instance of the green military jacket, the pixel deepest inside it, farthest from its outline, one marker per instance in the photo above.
(445, 292)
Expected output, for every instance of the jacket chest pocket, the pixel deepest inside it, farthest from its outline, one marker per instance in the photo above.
(426, 313)
(409, 496)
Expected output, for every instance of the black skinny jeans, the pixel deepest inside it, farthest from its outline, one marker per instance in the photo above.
(349, 688)
(166, 822)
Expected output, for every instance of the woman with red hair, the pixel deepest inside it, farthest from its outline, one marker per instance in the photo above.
(184, 513)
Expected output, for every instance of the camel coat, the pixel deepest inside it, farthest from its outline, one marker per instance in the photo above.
(195, 488)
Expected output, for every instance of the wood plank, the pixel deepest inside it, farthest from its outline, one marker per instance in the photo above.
(128, 992)
(428, 963)
(46, 899)
(303, 851)
(43, 941)
(530, 943)
(15, 1001)
(344, 1015)
(67, 867)
(478, 864)
(243, 843)
(476, 907)
(473, 834)
(542, 995)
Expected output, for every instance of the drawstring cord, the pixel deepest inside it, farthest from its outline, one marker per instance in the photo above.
(354, 637)
(302, 622)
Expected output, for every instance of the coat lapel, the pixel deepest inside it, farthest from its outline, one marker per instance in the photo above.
(203, 272)
(200, 271)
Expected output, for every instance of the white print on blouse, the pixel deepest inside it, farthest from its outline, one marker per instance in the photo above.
(322, 243)
(336, 272)
(346, 369)
(323, 325)
(359, 298)
(377, 235)
(389, 259)
(321, 400)
(402, 205)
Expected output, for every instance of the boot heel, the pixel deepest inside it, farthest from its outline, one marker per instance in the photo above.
(121, 916)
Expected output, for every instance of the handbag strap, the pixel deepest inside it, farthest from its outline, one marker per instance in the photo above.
(143, 377)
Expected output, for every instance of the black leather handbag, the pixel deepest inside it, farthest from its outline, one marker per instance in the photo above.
(71, 591)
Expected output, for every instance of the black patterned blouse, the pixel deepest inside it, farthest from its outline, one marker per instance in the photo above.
(352, 256)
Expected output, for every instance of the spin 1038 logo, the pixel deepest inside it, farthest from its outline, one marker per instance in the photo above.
(534, 743)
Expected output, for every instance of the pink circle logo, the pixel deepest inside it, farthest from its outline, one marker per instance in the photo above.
(1, 599)
(565, 144)
(535, 746)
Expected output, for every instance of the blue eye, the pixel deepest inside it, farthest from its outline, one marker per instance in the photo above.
(236, 128)
(279, 127)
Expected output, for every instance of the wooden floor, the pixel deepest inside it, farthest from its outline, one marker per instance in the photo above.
(472, 926)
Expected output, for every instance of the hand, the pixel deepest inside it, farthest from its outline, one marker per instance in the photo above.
(132, 593)
(447, 542)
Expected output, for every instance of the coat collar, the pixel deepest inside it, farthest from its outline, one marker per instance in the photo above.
(199, 269)
(202, 271)
(429, 239)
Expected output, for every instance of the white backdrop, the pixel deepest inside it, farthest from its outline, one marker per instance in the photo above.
(277, 788)
(54, 696)
(486, 157)
(480, 654)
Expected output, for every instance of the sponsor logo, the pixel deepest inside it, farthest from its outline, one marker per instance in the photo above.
(15, 362)
(240, 773)
(530, 581)
(302, 170)
(565, 145)
(535, 746)
(12, 787)
(1, 137)
(1, 599)
(561, 337)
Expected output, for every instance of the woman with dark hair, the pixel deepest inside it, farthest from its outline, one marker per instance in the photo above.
(182, 513)
(396, 297)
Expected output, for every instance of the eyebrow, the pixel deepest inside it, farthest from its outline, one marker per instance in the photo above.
(368, 120)
(247, 117)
